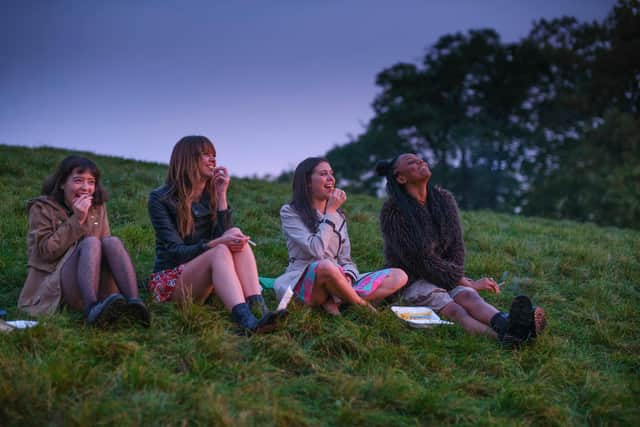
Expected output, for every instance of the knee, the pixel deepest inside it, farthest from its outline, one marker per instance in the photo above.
(468, 297)
(111, 242)
(454, 311)
(398, 278)
(219, 251)
(90, 243)
(326, 270)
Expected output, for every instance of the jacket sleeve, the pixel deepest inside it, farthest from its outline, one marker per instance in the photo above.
(414, 256)
(105, 229)
(167, 233)
(52, 239)
(344, 256)
(312, 244)
(224, 222)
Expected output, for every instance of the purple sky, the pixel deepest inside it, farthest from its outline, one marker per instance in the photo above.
(270, 82)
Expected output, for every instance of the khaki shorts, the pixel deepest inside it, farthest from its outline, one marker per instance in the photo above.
(426, 293)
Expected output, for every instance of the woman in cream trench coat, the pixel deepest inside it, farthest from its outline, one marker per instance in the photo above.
(320, 270)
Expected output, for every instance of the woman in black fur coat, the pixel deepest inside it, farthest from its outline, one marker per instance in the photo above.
(423, 236)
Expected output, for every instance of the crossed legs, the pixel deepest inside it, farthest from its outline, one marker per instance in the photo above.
(330, 281)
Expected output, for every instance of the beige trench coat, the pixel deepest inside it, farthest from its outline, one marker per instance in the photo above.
(331, 241)
(52, 237)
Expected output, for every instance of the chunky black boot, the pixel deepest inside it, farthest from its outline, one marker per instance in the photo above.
(521, 320)
(257, 305)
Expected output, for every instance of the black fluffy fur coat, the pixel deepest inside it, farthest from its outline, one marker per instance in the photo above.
(426, 244)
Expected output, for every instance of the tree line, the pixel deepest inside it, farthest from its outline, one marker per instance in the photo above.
(547, 126)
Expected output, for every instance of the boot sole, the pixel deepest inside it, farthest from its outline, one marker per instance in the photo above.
(521, 318)
(136, 312)
(272, 322)
(111, 312)
(539, 322)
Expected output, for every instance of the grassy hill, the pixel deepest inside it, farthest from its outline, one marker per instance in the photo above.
(360, 369)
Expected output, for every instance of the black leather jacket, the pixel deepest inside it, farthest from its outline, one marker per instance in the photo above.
(171, 249)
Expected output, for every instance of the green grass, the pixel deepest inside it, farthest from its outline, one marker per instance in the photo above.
(360, 369)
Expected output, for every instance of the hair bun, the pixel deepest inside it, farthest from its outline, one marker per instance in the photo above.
(383, 167)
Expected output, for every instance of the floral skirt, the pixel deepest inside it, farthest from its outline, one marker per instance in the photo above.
(364, 286)
(162, 283)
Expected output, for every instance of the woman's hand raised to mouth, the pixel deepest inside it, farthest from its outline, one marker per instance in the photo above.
(81, 205)
(337, 198)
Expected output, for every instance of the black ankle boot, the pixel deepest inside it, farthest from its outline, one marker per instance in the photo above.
(241, 314)
(258, 305)
(521, 320)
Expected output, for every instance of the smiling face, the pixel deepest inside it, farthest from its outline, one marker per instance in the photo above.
(410, 169)
(207, 162)
(78, 183)
(321, 182)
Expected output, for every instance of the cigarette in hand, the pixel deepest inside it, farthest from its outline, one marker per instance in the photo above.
(251, 242)
(500, 284)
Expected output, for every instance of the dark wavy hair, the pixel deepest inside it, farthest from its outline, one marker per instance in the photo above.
(52, 186)
(406, 203)
(301, 201)
(182, 176)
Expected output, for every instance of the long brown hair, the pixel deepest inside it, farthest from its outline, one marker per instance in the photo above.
(182, 176)
(52, 186)
(301, 201)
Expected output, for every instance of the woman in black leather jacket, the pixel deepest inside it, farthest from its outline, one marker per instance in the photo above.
(198, 251)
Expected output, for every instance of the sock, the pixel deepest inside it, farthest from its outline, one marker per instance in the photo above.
(500, 323)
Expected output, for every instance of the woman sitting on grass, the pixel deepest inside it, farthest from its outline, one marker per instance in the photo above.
(423, 236)
(320, 270)
(197, 249)
(73, 259)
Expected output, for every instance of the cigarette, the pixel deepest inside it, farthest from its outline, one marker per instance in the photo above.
(500, 284)
(251, 242)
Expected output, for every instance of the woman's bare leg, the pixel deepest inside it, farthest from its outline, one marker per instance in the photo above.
(459, 315)
(395, 280)
(330, 281)
(213, 270)
(476, 306)
(80, 275)
(247, 271)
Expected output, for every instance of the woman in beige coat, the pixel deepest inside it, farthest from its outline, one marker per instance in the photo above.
(72, 257)
(320, 270)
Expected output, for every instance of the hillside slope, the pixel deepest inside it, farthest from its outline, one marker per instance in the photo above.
(355, 370)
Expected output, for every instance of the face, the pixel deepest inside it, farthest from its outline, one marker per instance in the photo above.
(322, 181)
(78, 184)
(410, 168)
(207, 163)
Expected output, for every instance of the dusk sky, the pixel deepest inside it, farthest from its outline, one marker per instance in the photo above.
(270, 82)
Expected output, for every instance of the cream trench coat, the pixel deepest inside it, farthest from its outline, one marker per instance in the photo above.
(331, 241)
(52, 237)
